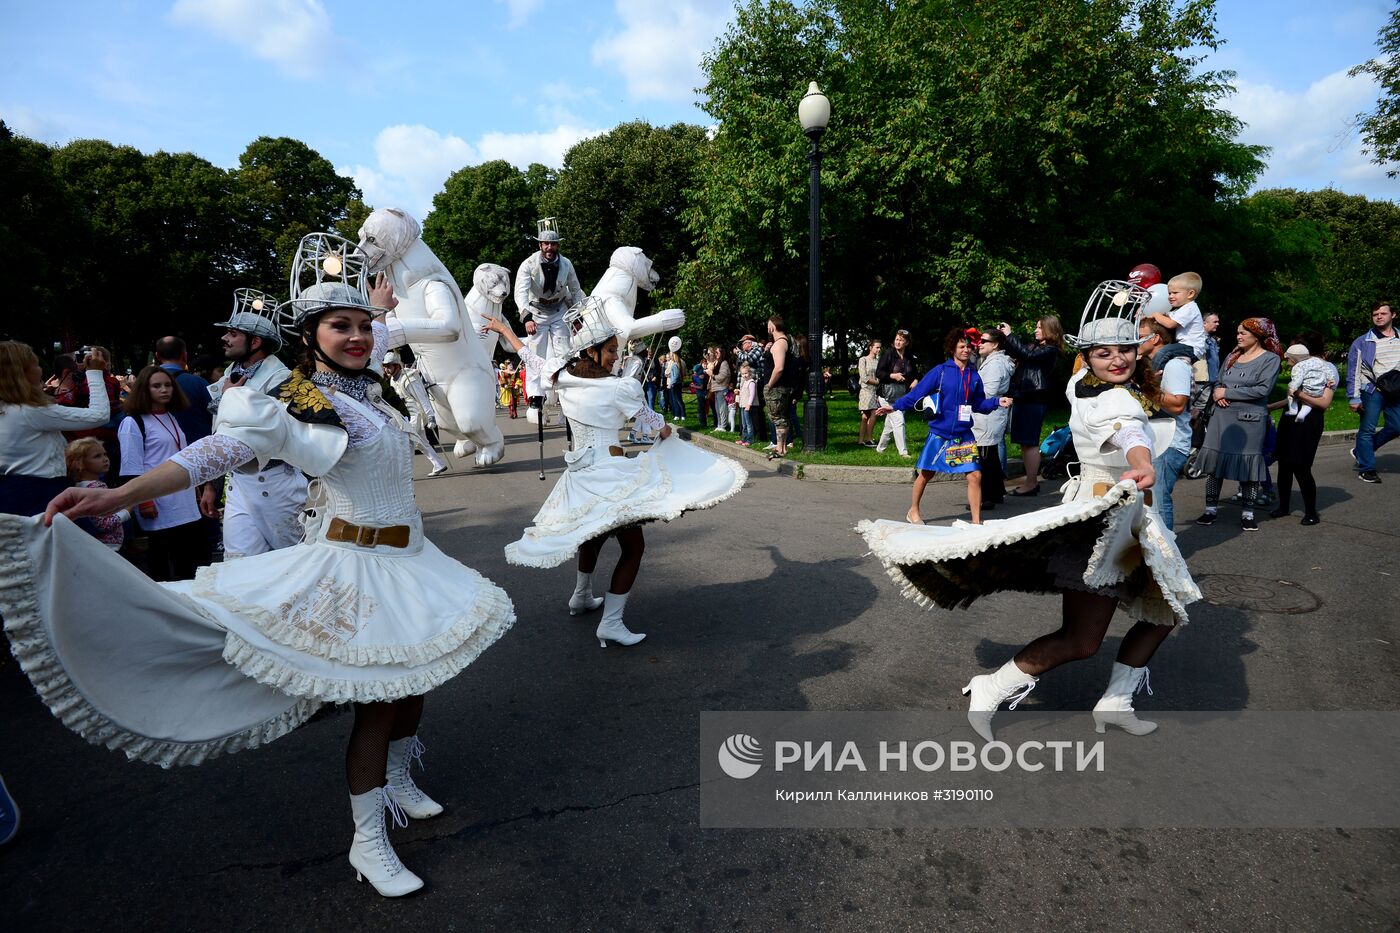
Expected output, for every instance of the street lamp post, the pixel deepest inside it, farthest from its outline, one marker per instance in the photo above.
(814, 112)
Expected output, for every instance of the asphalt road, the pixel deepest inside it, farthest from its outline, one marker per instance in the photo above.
(571, 774)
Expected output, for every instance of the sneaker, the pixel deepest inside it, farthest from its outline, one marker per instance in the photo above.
(1236, 499)
(1207, 518)
(1249, 524)
(1266, 497)
(1369, 476)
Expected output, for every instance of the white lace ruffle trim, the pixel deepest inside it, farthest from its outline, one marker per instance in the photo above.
(487, 605)
(31, 647)
(274, 672)
(1162, 602)
(626, 514)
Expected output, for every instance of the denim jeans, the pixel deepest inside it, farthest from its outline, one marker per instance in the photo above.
(649, 391)
(1168, 468)
(1368, 439)
(746, 422)
(675, 400)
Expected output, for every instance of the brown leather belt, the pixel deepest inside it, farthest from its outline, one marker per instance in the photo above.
(1101, 489)
(366, 536)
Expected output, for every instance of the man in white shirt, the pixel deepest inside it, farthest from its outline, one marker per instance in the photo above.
(263, 510)
(546, 286)
(1174, 368)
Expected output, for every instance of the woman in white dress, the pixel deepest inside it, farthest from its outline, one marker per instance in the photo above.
(364, 610)
(1102, 548)
(603, 493)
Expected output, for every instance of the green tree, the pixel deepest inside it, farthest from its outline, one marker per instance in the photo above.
(287, 190)
(44, 235)
(986, 160)
(1338, 256)
(627, 188)
(486, 213)
(1380, 128)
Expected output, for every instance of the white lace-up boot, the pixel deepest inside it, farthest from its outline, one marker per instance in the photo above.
(583, 599)
(611, 628)
(402, 754)
(988, 691)
(1115, 707)
(371, 855)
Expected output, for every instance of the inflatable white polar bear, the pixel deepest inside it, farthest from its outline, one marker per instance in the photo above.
(490, 286)
(432, 319)
(628, 270)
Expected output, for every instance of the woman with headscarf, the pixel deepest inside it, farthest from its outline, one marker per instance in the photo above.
(1234, 444)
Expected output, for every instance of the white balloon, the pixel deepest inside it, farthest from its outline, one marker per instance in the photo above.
(1158, 303)
(675, 344)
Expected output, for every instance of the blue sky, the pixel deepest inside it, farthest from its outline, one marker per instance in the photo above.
(401, 95)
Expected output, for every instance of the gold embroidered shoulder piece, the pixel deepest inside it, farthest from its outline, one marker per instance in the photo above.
(305, 401)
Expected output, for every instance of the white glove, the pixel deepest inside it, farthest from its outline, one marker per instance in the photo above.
(671, 318)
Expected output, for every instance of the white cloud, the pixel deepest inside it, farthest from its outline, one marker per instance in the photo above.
(659, 48)
(520, 11)
(413, 162)
(295, 35)
(523, 148)
(1311, 134)
(24, 121)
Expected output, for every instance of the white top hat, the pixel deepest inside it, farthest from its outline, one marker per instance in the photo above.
(255, 314)
(548, 230)
(1111, 316)
(588, 325)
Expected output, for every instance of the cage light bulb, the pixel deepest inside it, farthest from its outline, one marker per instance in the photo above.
(332, 265)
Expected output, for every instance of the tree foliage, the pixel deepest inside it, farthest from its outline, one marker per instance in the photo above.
(486, 213)
(110, 245)
(1380, 128)
(986, 160)
(627, 188)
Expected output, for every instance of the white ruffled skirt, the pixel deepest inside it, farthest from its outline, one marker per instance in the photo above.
(664, 481)
(1116, 546)
(178, 673)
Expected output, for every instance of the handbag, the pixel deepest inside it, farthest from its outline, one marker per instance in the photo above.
(1388, 385)
(893, 391)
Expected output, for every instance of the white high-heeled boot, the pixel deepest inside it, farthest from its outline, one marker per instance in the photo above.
(583, 599)
(611, 628)
(989, 691)
(402, 753)
(1115, 707)
(371, 855)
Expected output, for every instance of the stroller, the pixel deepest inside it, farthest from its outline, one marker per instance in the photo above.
(1057, 453)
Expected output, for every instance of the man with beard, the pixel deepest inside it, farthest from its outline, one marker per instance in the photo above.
(546, 286)
(263, 509)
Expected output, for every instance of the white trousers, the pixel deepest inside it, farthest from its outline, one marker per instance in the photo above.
(429, 451)
(262, 511)
(894, 427)
(551, 320)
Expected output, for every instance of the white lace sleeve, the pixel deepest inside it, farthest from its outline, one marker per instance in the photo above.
(213, 456)
(381, 339)
(533, 361)
(1129, 436)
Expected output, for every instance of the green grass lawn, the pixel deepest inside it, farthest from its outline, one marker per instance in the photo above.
(843, 427)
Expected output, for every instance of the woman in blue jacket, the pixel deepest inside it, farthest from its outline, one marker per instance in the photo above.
(956, 392)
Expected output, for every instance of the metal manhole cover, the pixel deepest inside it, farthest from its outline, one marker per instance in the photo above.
(1258, 594)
